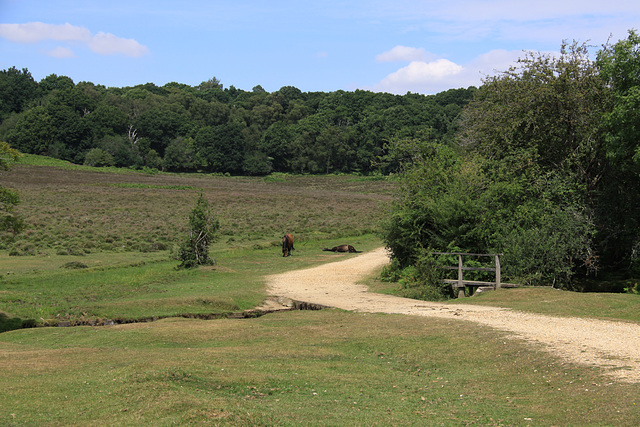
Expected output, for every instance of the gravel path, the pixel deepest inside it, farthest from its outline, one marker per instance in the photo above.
(614, 345)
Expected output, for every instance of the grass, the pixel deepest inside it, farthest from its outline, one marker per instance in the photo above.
(115, 288)
(312, 368)
(87, 210)
(124, 226)
(548, 301)
(324, 367)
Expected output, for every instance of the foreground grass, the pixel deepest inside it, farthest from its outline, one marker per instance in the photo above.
(298, 368)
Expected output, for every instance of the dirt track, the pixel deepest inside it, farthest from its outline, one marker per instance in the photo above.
(614, 345)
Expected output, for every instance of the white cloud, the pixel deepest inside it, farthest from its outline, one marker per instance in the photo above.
(418, 76)
(495, 61)
(108, 44)
(443, 74)
(101, 43)
(34, 32)
(403, 53)
(61, 52)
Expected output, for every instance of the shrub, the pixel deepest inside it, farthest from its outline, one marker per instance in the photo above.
(98, 157)
(203, 229)
(423, 280)
(10, 324)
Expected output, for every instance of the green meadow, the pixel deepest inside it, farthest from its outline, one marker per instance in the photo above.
(99, 247)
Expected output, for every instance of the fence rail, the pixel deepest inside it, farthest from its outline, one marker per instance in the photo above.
(460, 284)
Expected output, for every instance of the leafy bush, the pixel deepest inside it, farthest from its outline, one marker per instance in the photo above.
(97, 157)
(423, 281)
(203, 229)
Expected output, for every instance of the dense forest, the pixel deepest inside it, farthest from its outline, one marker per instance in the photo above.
(214, 129)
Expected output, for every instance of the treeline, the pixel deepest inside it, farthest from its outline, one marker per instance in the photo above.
(209, 128)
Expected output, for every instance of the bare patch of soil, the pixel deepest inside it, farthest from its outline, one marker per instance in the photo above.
(613, 345)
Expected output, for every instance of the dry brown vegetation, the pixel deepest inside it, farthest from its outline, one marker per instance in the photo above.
(82, 211)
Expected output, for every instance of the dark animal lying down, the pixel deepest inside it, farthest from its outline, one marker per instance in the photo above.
(342, 248)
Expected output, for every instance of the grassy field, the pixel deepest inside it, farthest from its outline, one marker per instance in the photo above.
(81, 210)
(124, 287)
(123, 227)
(298, 368)
(324, 367)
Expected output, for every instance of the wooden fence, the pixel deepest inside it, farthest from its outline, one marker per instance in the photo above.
(472, 285)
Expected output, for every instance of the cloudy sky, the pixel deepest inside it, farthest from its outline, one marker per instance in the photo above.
(394, 46)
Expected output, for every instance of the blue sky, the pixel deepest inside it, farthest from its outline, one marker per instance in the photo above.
(393, 46)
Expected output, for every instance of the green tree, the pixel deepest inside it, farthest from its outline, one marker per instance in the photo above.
(256, 163)
(58, 126)
(54, 82)
(212, 83)
(17, 89)
(539, 127)
(33, 132)
(202, 231)
(619, 65)
(98, 157)
(162, 123)
(180, 155)
(9, 221)
(220, 148)
(107, 120)
(276, 143)
(523, 179)
(121, 151)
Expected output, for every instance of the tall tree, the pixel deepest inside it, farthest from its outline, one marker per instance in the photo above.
(619, 65)
(540, 127)
(525, 179)
(17, 88)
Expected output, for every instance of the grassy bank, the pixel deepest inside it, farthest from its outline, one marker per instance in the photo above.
(553, 302)
(142, 286)
(294, 368)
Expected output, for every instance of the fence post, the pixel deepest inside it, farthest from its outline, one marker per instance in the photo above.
(460, 281)
(497, 271)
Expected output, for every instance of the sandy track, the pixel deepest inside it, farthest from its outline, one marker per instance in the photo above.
(614, 345)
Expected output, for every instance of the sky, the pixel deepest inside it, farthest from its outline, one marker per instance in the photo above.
(396, 46)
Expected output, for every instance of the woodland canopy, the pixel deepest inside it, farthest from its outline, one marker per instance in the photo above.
(209, 128)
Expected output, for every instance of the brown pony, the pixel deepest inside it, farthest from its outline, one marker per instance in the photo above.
(287, 245)
(342, 248)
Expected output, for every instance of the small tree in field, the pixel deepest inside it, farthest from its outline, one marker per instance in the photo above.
(203, 229)
(9, 221)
